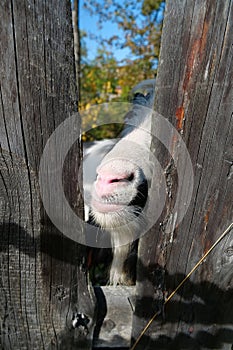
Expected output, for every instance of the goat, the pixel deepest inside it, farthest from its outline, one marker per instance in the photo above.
(119, 193)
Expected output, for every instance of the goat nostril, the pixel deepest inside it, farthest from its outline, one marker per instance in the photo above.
(130, 177)
(114, 180)
(123, 179)
(106, 180)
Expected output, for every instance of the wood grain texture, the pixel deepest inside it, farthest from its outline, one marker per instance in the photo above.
(194, 91)
(114, 318)
(43, 274)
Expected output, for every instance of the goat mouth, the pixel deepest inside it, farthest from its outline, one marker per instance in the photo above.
(106, 207)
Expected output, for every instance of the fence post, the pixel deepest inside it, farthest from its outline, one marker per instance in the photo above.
(194, 92)
(44, 285)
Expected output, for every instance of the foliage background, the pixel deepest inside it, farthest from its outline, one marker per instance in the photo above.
(105, 78)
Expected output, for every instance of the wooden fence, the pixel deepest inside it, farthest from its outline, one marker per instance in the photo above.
(44, 284)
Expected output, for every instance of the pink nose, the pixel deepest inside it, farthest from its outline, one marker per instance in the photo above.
(106, 183)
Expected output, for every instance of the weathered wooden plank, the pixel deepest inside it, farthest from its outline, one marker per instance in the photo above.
(114, 319)
(194, 91)
(43, 273)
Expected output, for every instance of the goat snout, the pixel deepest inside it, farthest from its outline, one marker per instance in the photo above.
(107, 183)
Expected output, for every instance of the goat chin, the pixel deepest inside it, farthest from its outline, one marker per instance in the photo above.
(124, 226)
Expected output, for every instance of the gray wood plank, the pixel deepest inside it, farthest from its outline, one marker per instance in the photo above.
(114, 321)
(43, 277)
(194, 92)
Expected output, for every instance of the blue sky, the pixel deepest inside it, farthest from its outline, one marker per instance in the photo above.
(89, 24)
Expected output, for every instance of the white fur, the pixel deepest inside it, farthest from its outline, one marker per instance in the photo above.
(130, 155)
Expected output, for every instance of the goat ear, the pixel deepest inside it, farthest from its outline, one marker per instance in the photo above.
(143, 93)
(144, 86)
